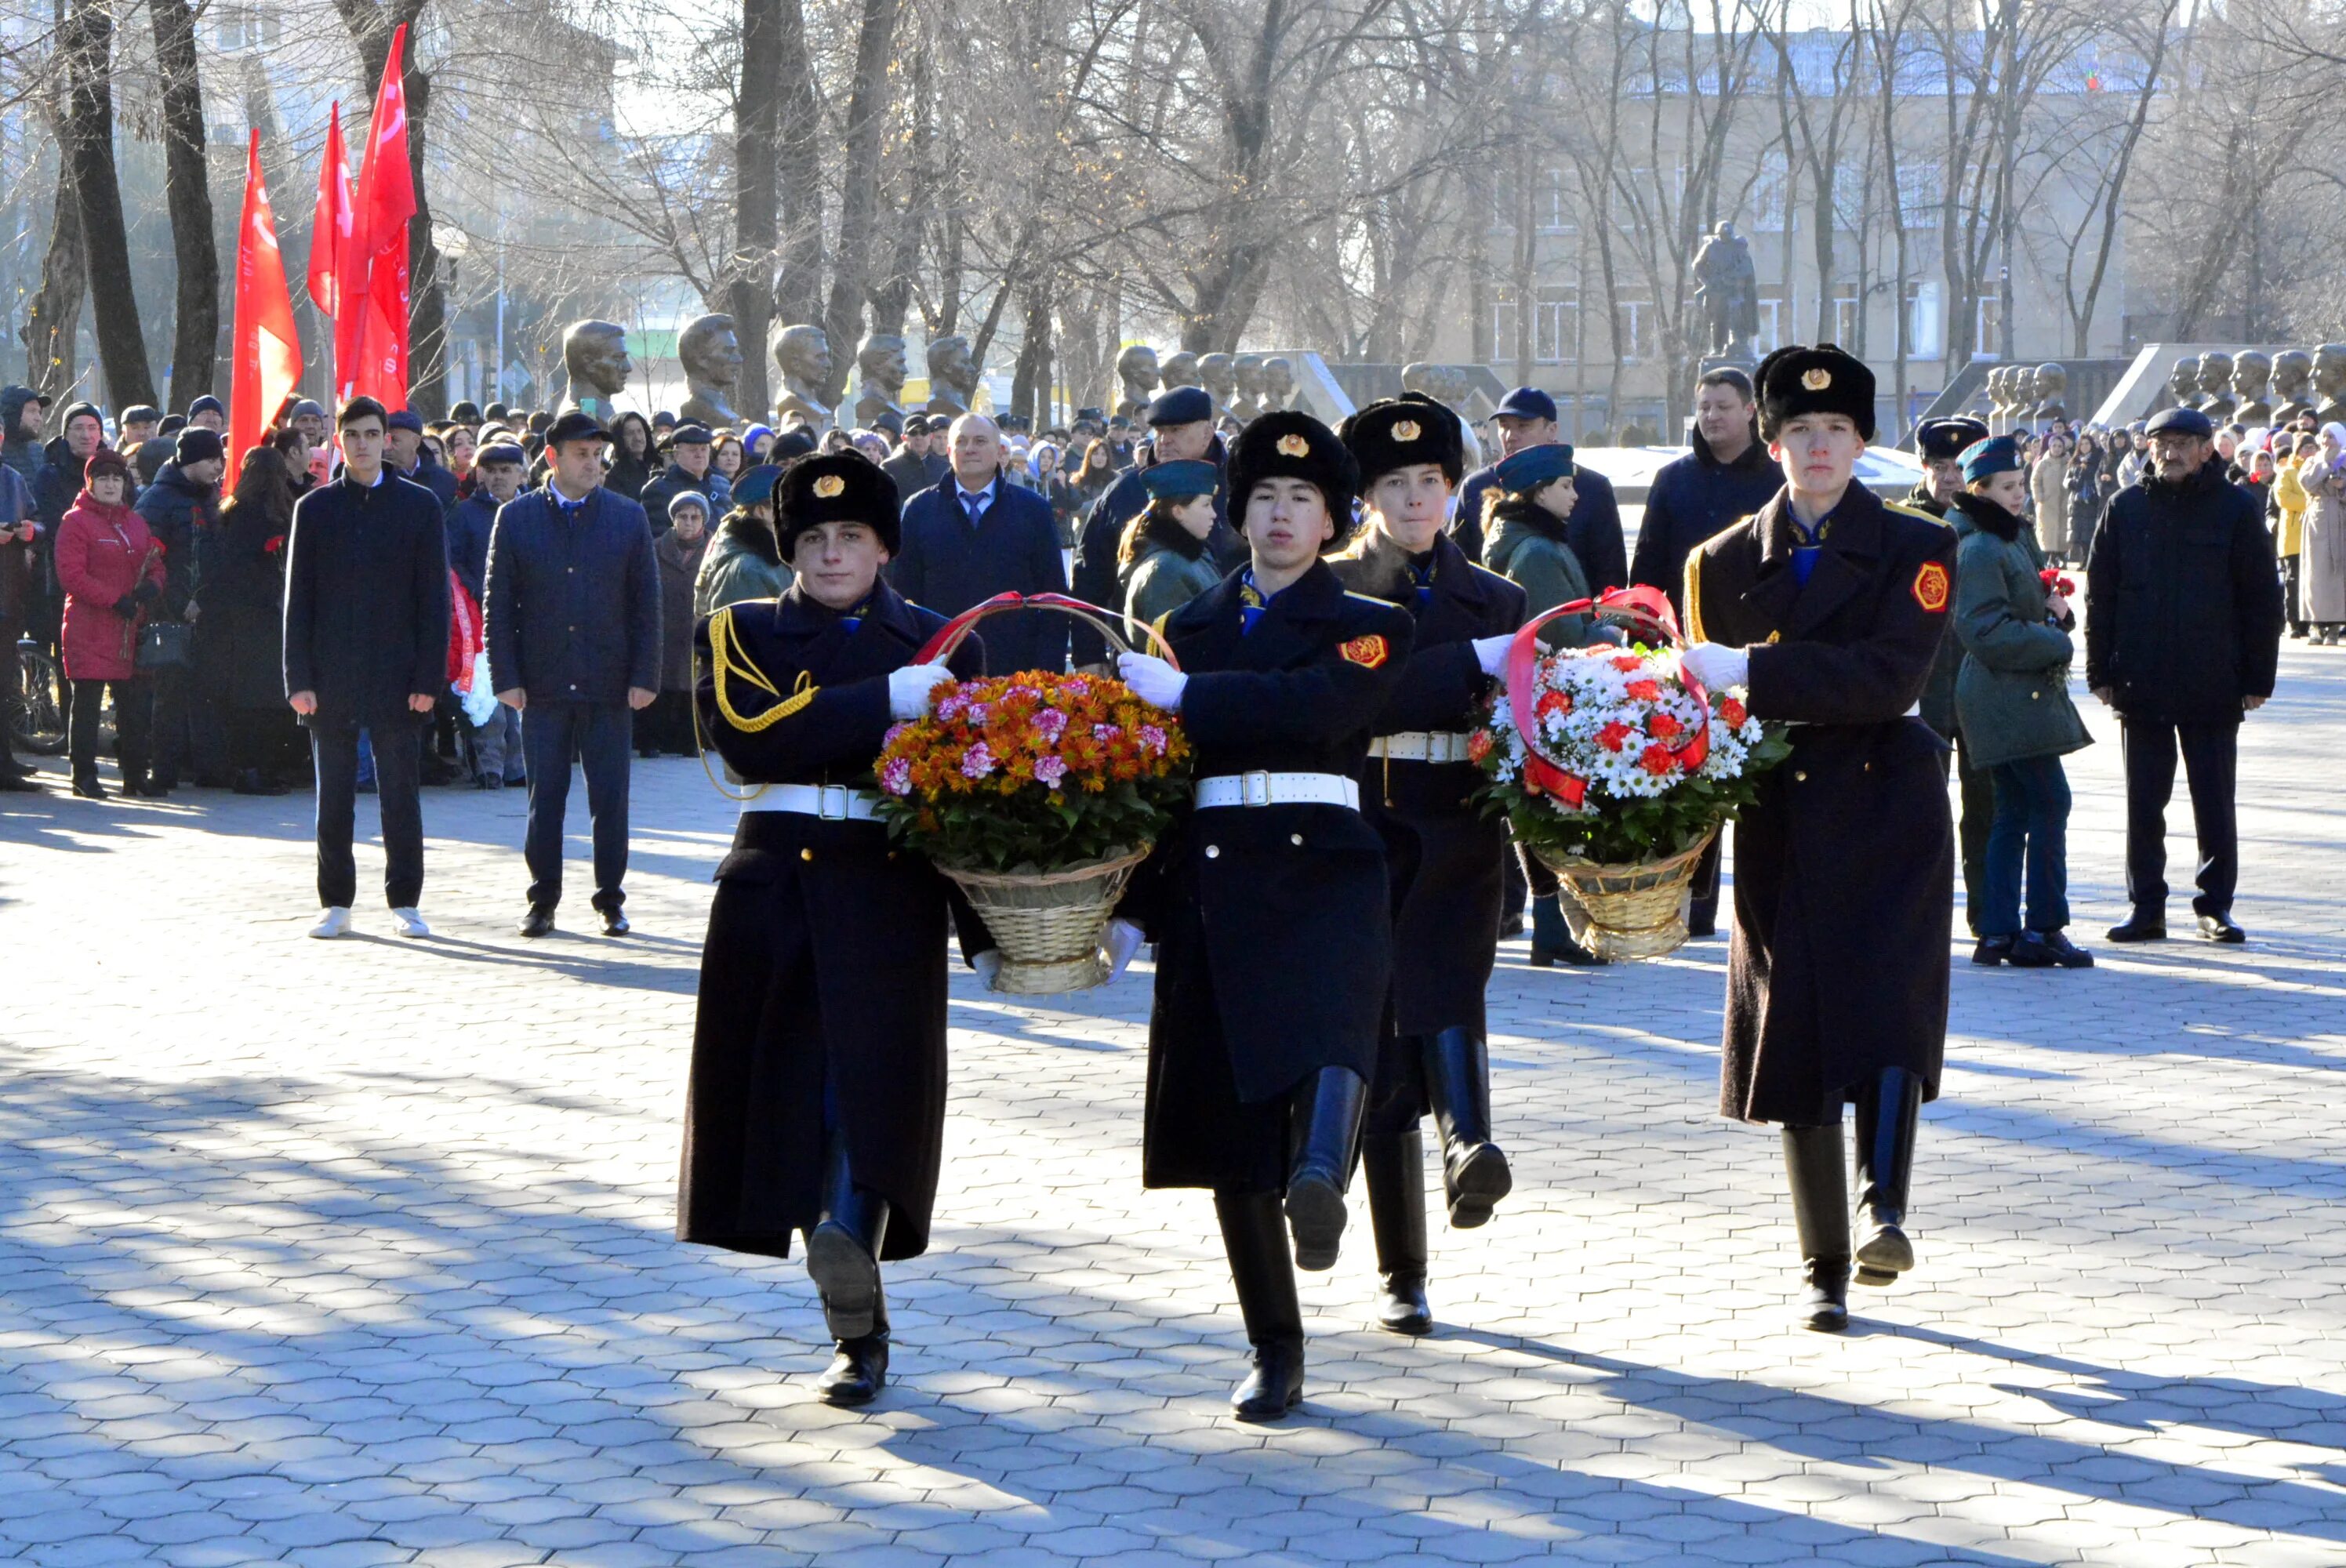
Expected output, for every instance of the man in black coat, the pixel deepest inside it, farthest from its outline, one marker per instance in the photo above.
(2183, 623)
(1443, 854)
(690, 451)
(976, 534)
(1725, 477)
(405, 456)
(182, 510)
(366, 645)
(909, 468)
(573, 620)
(1269, 905)
(817, 1098)
(1827, 605)
(1181, 429)
(1527, 419)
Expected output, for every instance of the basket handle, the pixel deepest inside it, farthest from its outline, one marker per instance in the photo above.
(1640, 604)
(955, 632)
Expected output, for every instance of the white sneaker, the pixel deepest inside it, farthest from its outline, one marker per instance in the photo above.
(410, 923)
(334, 923)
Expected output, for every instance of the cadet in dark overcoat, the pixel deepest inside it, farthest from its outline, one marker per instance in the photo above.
(817, 1097)
(1829, 605)
(1443, 855)
(1269, 903)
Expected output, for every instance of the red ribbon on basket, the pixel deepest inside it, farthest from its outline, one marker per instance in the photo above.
(950, 633)
(1641, 603)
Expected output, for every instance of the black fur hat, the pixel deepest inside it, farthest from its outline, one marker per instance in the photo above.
(843, 487)
(1288, 445)
(1397, 431)
(1801, 379)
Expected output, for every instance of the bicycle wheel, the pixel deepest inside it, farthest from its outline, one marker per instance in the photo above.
(38, 723)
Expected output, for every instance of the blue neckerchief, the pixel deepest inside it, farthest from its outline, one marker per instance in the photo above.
(1807, 545)
(1421, 573)
(854, 618)
(1253, 602)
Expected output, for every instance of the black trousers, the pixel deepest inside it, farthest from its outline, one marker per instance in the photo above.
(2211, 766)
(398, 761)
(132, 708)
(1978, 801)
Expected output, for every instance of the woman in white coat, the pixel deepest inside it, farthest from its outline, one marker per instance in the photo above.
(2321, 560)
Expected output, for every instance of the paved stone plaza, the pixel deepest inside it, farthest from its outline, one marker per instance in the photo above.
(359, 1252)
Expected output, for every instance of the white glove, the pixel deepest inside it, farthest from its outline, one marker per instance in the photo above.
(1122, 941)
(1491, 653)
(988, 964)
(1152, 679)
(1716, 667)
(909, 688)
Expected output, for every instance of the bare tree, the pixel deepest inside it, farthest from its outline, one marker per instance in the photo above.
(196, 320)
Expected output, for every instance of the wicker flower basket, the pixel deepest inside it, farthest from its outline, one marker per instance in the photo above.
(1628, 911)
(1049, 924)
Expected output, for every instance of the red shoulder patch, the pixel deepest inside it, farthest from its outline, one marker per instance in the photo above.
(1367, 652)
(1930, 588)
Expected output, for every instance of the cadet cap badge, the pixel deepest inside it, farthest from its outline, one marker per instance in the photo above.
(1406, 430)
(1367, 652)
(1816, 379)
(829, 486)
(1294, 446)
(1930, 588)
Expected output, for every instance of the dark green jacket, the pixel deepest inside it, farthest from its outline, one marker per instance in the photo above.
(741, 564)
(1163, 578)
(1531, 553)
(2012, 693)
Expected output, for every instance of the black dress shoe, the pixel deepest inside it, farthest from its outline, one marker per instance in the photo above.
(13, 783)
(538, 921)
(2030, 950)
(2143, 925)
(2219, 927)
(1991, 951)
(857, 1372)
(1275, 1384)
(615, 923)
(2065, 954)
(87, 786)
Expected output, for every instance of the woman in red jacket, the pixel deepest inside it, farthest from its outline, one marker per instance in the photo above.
(112, 570)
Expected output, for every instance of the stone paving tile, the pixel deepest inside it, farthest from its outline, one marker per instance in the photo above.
(360, 1253)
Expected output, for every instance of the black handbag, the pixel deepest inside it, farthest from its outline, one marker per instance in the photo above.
(166, 644)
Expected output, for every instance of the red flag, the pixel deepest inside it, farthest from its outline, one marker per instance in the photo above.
(267, 351)
(329, 231)
(377, 288)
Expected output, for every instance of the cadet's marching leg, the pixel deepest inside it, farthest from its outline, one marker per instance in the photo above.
(1393, 1171)
(843, 1250)
(1887, 1110)
(859, 1367)
(1814, 1158)
(1257, 1244)
(1475, 1175)
(1327, 1129)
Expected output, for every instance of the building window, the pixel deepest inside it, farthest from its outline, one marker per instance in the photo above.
(1636, 330)
(1771, 325)
(1503, 199)
(1988, 341)
(1555, 329)
(1548, 204)
(1920, 189)
(1845, 319)
(1923, 321)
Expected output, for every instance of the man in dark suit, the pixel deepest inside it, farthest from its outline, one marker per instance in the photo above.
(1527, 419)
(366, 643)
(574, 630)
(975, 535)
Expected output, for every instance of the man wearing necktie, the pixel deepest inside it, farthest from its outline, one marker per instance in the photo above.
(973, 535)
(573, 632)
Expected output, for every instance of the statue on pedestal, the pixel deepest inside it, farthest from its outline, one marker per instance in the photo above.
(880, 369)
(1135, 367)
(2292, 377)
(1278, 382)
(802, 353)
(1179, 369)
(2051, 385)
(1727, 293)
(2183, 382)
(596, 355)
(953, 376)
(2216, 386)
(1248, 370)
(2252, 373)
(711, 356)
(1218, 374)
(2330, 382)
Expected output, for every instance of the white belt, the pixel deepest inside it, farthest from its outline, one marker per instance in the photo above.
(1422, 746)
(832, 802)
(1279, 789)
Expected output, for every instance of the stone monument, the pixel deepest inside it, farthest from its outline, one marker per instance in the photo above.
(2183, 382)
(1248, 370)
(711, 356)
(2051, 385)
(1218, 374)
(802, 353)
(1727, 293)
(1179, 369)
(2330, 382)
(2216, 386)
(953, 376)
(880, 369)
(2252, 374)
(596, 355)
(1135, 367)
(2292, 375)
(1278, 382)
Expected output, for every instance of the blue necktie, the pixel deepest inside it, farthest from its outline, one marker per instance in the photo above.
(974, 503)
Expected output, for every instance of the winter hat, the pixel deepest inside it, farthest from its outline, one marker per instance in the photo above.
(103, 462)
(197, 445)
(1287, 444)
(1799, 379)
(1398, 431)
(838, 487)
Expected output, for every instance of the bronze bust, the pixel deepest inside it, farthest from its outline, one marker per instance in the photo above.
(1135, 367)
(2051, 385)
(2292, 378)
(2252, 373)
(1278, 382)
(880, 369)
(953, 376)
(2183, 381)
(1247, 368)
(596, 355)
(2215, 385)
(2330, 382)
(711, 356)
(1218, 374)
(802, 353)
(1179, 369)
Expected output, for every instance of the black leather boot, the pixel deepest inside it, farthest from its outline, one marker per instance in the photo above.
(1886, 1113)
(1552, 936)
(843, 1250)
(1475, 1175)
(1257, 1244)
(1392, 1168)
(1814, 1159)
(1326, 1123)
(859, 1367)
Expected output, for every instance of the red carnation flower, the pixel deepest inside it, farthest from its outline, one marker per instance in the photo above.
(1656, 759)
(1613, 736)
(1478, 746)
(1662, 727)
(1554, 702)
(1734, 712)
(1644, 690)
(1625, 663)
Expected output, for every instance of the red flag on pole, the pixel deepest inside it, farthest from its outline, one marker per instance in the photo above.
(267, 351)
(376, 288)
(329, 231)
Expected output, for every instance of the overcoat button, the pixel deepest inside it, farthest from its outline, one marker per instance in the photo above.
(806, 854)
(1212, 850)
(2034, 695)
(1800, 778)
(1295, 838)
(1868, 768)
